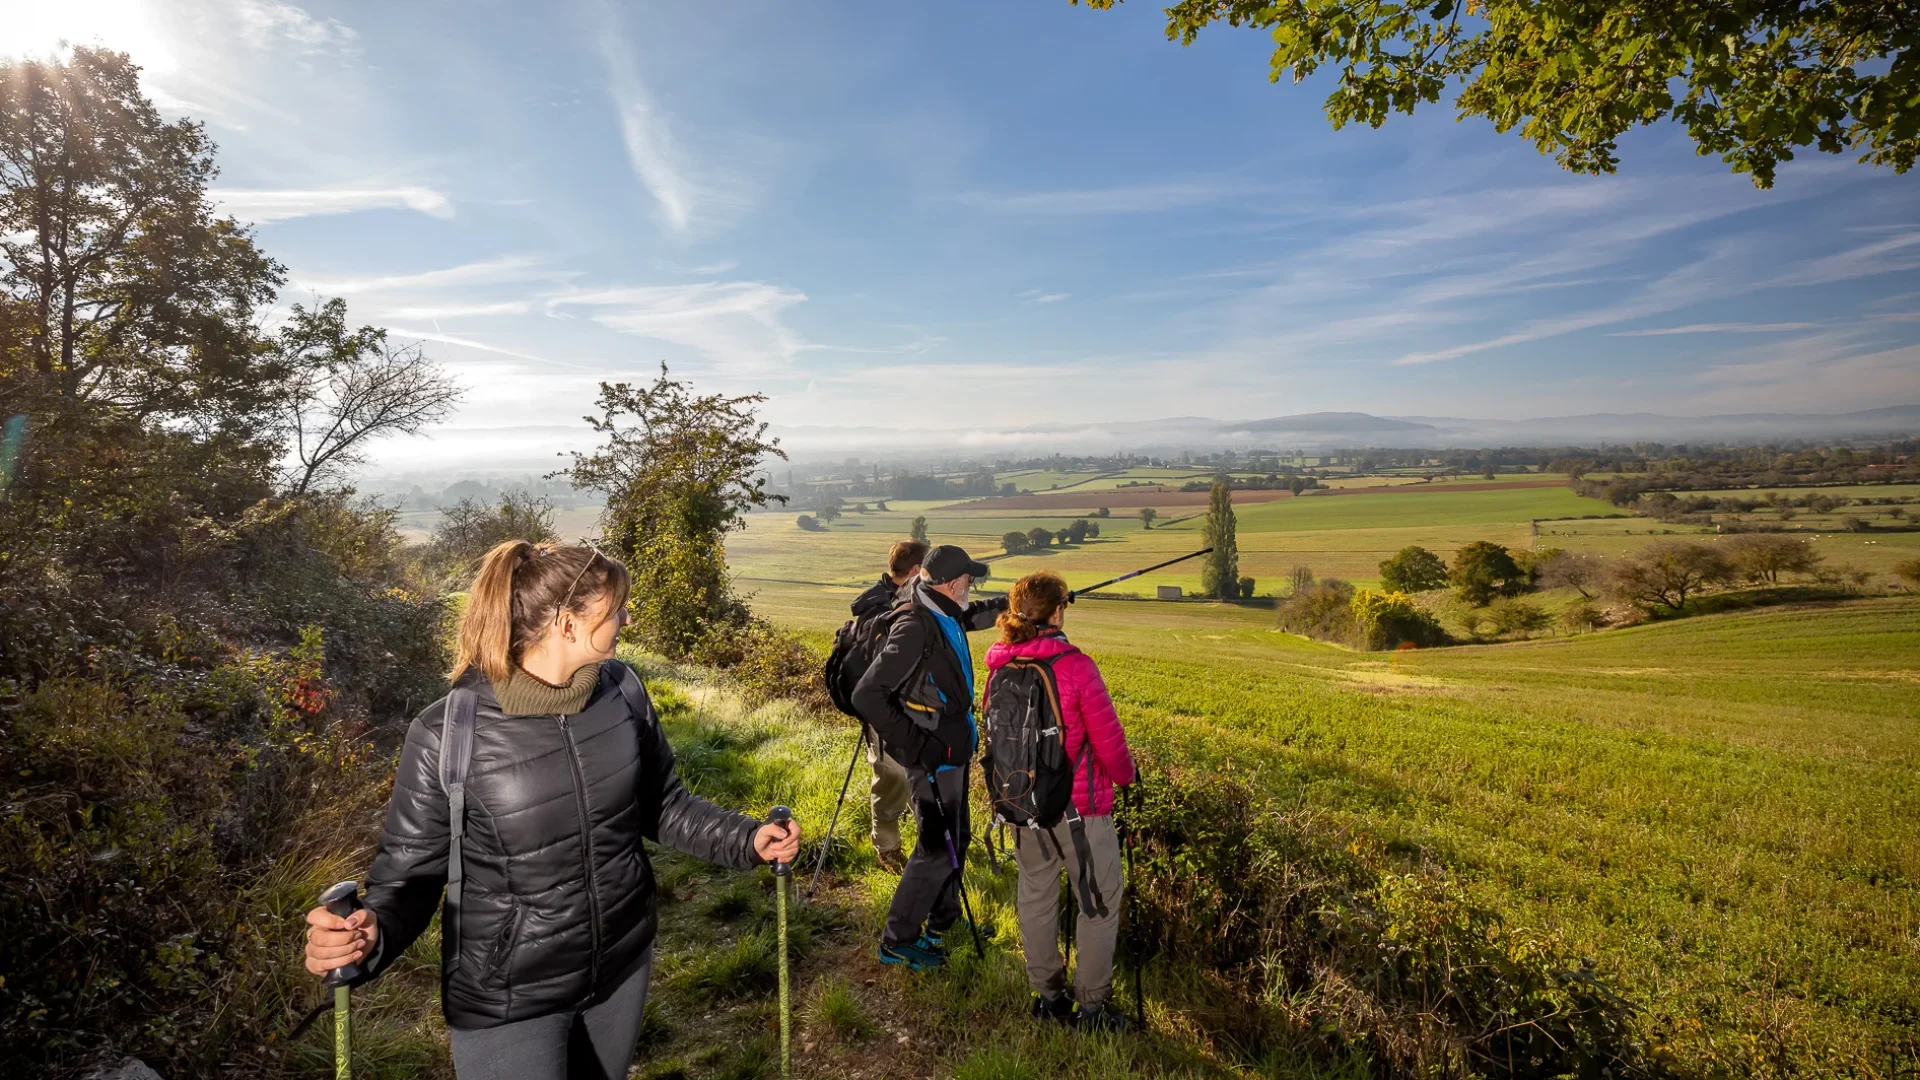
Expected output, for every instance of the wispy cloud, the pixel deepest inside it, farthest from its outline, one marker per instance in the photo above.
(1038, 296)
(458, 311)
(1892, 255)
(264, 23)
(712, 269)
(507, 269)
(699, 178)
(262, 207)
(467, 343)
(1132, 199)
(648, 135)
(736, 323)
(1718, 328)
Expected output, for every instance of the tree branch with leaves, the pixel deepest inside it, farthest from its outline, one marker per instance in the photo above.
(678, 470)
(1751, 80)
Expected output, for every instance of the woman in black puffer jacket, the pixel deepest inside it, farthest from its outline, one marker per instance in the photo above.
(547, 950)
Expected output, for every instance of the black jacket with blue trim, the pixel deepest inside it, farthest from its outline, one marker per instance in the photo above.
(920, 712)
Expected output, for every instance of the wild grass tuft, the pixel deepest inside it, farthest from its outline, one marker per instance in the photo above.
(835, 1013)
(749, 968)
(737, 899)
(994, 1063)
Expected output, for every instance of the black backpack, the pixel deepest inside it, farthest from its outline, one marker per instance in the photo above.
(1029, 779)
(854, 647)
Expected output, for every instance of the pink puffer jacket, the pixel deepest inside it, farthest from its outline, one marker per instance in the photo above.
(1089, 714)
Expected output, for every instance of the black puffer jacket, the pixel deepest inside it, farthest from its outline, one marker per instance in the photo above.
(559, 902)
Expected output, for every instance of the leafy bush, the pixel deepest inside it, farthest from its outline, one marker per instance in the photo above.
(1387, 620)
(1581, 615)
(1322, 610)
(767, 662)
(1909, 572)
(1246, 588)
(1327, 941)
(1413, 569)
(1513, 615)
(808, 523)
(1483, 570)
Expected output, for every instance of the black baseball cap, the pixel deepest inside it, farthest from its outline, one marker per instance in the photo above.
(947, 562)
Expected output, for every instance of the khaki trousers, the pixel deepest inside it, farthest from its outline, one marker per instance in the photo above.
(890, 793)
(1038, 903)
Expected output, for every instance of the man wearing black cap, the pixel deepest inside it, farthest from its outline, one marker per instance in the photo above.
(918, 698)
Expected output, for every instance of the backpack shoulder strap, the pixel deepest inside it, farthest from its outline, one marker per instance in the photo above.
(456, 749)
(639, 706)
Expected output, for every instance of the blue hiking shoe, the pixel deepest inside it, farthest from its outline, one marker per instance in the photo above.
(936, 940)
(914, 956)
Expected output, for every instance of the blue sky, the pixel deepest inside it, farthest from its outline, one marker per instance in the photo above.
(989, 214)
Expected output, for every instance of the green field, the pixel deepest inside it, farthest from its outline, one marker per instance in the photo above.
(1724, 811)
(1337, 535)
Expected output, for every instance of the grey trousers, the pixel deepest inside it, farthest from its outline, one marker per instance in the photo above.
(891, 792)
(1039, 906)
(595, 1043)
(929, 892)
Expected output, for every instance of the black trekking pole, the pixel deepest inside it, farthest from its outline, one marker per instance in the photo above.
(782, 881)
(343, 900)
(1148, 570)
(1131, 803)
(953, 856)
(827, 845)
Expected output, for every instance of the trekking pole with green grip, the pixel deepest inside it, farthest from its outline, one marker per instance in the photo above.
(343, 900)
(782, 877)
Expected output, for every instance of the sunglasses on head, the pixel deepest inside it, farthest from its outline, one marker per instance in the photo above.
(567, 600)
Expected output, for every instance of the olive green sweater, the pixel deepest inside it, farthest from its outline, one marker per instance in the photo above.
(526, 694)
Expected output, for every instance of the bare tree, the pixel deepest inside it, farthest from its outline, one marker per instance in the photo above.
(348, 388)
(1667, 573)
(469, 529)
(1560, 569)
(1765, 556)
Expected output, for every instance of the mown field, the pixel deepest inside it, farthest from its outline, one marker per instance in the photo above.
(1345, 535)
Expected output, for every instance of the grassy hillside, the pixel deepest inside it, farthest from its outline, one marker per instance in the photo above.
(1720, 811)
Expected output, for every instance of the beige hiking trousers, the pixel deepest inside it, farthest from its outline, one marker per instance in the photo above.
(890, 793)
(1039, 905)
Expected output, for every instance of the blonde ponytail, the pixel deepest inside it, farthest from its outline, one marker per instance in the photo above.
(486, 628)
(516, 597)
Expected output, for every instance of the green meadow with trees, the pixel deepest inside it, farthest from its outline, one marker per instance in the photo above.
(1605, 768)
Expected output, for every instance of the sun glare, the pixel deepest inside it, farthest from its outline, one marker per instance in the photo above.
(41, 29)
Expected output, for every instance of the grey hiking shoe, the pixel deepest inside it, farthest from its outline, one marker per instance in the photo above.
(1096, 1018)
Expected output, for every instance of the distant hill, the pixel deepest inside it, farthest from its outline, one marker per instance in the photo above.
(1353, 430)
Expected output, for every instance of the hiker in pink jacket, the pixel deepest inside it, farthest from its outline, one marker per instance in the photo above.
(1031, 628)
